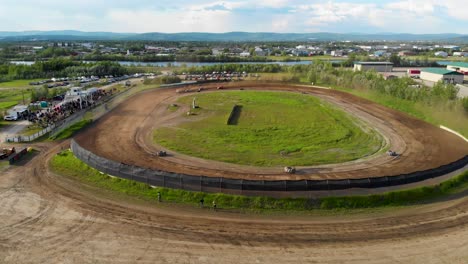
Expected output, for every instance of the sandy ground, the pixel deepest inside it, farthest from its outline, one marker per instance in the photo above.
(46, 218)
(125, 135)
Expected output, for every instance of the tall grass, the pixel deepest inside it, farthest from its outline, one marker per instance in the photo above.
(71, 130)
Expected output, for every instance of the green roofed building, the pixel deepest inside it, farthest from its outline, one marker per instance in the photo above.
(458, 66)
(441, 74)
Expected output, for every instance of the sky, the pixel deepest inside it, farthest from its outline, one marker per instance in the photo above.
(294, 16)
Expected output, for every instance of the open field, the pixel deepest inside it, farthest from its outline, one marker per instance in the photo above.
(23, 84)
(422, 58)
(272, 129)
(309, 58)
(11, 97)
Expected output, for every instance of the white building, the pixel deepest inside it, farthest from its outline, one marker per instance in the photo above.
(460, 54)
(337, 53)
(244, 54)
(461, 67)
(378, 66)
(441, 54)
(439, 74)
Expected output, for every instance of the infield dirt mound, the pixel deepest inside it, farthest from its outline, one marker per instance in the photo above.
(124, 135)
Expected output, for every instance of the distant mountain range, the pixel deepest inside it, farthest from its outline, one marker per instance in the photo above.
(73, 35)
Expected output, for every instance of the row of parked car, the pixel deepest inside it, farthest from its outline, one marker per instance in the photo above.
(59, 82)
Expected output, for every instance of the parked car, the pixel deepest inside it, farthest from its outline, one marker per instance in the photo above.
(10, 118)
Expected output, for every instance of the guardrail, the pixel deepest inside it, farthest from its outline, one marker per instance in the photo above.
(22, 138)
(237, 186)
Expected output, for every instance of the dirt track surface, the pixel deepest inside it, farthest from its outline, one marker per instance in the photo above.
(46, 218)
(125, 133)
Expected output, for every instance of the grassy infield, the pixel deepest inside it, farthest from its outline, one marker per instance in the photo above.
(274, 128)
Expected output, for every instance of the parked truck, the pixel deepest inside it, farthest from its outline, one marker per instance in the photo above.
(414, 73)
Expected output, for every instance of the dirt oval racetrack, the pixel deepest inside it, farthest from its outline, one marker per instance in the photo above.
(49, 218)
(124, 135)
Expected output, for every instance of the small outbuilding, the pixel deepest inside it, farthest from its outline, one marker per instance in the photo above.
(439, 74)
(379, 66)
(461, 67)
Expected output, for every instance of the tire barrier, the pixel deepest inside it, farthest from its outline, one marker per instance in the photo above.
(226, 185)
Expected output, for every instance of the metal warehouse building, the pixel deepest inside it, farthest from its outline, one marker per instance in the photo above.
(459, 67)
(438, 74)
(378, 66)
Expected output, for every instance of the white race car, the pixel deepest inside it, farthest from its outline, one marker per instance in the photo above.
(11, 117)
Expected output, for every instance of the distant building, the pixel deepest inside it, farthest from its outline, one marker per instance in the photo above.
(406, 53)
(460, 54)
(244, 54)
(337, 53)
(377, 66)
(260, 52)
(217, 51)
(439, 74)
(452, 47)
(441, 54)
(461, 67)
(380, 53)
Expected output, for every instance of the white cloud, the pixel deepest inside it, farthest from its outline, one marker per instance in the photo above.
(173, 21)
(418, 16)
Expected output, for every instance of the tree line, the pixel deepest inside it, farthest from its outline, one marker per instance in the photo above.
(61, 67)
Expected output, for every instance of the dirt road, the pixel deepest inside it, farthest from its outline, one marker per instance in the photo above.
(46, 218)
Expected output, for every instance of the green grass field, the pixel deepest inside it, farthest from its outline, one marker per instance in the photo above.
(18, 83)
(310, 58)
(68, 165)
(422, 58)
(274, 128)
(12, 97)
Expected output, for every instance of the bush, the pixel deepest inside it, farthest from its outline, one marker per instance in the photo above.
(163, 80)
(465, 103)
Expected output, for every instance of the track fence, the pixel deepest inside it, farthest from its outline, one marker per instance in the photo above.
(239, 186)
